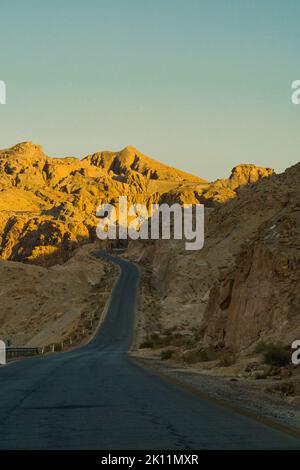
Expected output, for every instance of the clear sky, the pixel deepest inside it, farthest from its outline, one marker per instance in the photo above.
(199, 84)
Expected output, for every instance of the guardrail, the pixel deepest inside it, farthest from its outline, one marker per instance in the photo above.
(14, 352)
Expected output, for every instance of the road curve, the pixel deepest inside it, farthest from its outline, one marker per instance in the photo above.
(94, 397)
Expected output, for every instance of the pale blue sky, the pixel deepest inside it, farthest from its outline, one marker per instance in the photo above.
(199, 84)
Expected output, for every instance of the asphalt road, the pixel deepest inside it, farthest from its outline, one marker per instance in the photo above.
(95, 397)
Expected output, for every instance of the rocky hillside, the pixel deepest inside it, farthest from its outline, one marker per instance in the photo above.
(222, 190)
(258, 298)
(48, 205)
(242, 289)
(61, 305)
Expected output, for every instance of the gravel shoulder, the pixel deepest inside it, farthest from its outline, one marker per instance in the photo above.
(243, 395)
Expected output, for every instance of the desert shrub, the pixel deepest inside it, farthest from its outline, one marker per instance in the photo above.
(193, 356)
(198, 333)
(285, 389)
(147, 343)
(181, 340)
(277, 356)
(274, 354)
(168, 339)
(227, 359)
(155, 337)
(163, 341)
(170, 331)
(261, 347)
(166, 354)
(207, 355)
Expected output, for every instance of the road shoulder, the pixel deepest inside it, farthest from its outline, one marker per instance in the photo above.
(238, 395)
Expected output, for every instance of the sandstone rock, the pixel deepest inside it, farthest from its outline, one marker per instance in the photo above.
(48, 205)
(264, 301)
(247, 174)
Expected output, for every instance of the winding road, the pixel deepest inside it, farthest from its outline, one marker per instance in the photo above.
(95, 397)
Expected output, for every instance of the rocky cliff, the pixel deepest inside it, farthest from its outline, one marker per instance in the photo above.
(258, 298)
(242, 289)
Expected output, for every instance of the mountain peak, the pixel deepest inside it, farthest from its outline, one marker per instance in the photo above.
(130, 159)
(130, 149)
(249, 173)
(27, 149)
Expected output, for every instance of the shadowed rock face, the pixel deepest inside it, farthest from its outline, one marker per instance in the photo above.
(257, 299)
(242, 288)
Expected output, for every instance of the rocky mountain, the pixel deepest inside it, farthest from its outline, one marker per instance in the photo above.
(48, 205)
(240, 290)
(130, 161)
